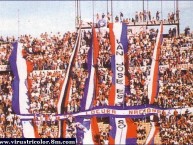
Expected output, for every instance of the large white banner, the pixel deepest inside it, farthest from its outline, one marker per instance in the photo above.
(121, 131)
(119, 65)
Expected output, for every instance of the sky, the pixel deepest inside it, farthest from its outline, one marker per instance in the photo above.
(36, 17)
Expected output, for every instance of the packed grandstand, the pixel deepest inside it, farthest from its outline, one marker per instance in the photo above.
(105, 85)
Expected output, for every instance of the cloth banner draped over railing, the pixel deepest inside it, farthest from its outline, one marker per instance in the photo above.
(64, 86)
(89, 85)
(95, 65)
(122, 131)
(131, 112)
(153, 85)
(65, 89)
(119, 47)
(20, 102)
(19, 68)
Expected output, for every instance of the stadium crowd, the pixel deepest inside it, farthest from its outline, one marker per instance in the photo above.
(104, 130)
(45, 90)
(176, 128)
(10, 123)
(147, 17)
(47, 125)
(103, 67)
(175, 88)
(72, 127)
(49, 52)
(79, 74)
(142, 132)
(175, 81)
(140, 51)
(5, 50)
(177, 50)
(50, 55)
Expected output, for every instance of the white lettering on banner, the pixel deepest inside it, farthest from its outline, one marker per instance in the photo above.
(101, 111)
(115, 112)
(185, 66)
(124, 112)
(4, 67)
(119, 65)
(119, 74)
(121, 124)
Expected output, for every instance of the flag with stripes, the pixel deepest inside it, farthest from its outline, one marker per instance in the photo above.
(88, 90)
(19, 67)
(122, 131)
(91, 87)
(119, 49)
(154, 84)
(92, 131)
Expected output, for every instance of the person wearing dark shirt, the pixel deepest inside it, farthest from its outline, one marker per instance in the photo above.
(157, 16)
(121, 16)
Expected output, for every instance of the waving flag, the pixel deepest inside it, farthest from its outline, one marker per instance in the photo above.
(153, 84)
(119, 44)
(19, 68)
(91, 88)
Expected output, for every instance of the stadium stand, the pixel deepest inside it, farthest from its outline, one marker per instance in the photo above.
(50, 54)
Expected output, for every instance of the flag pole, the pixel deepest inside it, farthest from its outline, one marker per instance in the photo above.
(93, 13)
(112, 11)
(18, 24)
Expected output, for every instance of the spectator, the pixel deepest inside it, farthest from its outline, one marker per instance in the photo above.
(103, 69)
(116, 19)
(176, 128)
(149, 14)
(79, 75)
(187, 31)
(136, 17)
(157, 15)
(121, 16)
(10, 124)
